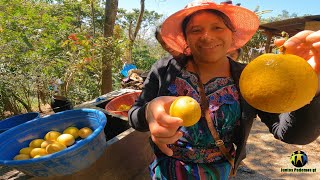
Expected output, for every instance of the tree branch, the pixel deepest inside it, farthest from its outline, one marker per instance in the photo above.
(139, 19)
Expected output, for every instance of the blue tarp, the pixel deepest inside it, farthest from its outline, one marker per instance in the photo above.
(126, 69)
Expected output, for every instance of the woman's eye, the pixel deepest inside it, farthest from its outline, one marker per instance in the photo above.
(217, 28)
(195, 30)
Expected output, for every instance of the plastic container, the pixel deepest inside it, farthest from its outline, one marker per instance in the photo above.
(126, 68)
(70, 160)
(60, 103)
(121, 104)
(17, 120)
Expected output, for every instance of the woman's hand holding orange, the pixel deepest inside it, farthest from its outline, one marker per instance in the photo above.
(163, 127)
(305, 44)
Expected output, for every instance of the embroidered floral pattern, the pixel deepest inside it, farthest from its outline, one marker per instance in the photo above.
(197, 144)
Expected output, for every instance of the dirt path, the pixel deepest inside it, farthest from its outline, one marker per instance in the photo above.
(266, 156)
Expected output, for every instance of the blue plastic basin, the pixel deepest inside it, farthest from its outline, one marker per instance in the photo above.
(17, 120)
(76, 157)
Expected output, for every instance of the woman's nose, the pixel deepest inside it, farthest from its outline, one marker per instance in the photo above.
(205, 36)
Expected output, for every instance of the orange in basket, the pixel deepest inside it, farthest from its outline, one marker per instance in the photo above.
(121, 104)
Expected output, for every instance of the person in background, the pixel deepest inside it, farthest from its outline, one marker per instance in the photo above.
(167, 48)
(205, 32)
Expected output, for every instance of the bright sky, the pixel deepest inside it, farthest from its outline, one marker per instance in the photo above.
(167, 7)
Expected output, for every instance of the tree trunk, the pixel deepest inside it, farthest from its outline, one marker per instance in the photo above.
(93, 19)
(133, 35)
(111, 9)
(24, 104)
(38, 95)
(39, 103)
(10, 106)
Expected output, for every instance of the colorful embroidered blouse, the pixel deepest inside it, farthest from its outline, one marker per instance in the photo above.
(197, 144)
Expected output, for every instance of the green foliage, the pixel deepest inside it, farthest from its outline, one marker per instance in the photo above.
(35, 50)
(45, 40)
(143, 57)
(257, 41)
(125, 18)
(285, 15)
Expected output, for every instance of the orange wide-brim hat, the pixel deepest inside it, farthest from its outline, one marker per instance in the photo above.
(244, 21)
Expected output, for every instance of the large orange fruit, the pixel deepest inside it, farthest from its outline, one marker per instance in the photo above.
(187, 109)
(278, 83)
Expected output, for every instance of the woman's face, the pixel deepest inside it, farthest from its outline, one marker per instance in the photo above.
(208, 37)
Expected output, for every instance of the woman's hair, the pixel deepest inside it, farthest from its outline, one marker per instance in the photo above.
(239, 51)
(224, 17)
(157, 32)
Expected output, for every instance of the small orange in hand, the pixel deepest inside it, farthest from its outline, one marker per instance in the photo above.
(186, 108)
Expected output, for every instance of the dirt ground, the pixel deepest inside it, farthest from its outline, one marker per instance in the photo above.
(266, 156)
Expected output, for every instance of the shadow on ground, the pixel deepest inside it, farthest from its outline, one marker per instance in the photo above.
(266, 156)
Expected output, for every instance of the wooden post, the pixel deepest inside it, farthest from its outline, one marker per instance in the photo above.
(268, 43)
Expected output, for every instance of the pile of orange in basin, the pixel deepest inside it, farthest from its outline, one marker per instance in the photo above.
(52, 142)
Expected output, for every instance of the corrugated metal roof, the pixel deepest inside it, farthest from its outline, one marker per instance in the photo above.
(291, 26)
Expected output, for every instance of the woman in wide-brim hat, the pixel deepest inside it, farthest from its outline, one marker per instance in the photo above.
(214, 147)
(244, 21)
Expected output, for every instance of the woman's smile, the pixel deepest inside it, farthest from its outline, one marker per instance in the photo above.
(210, 47)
